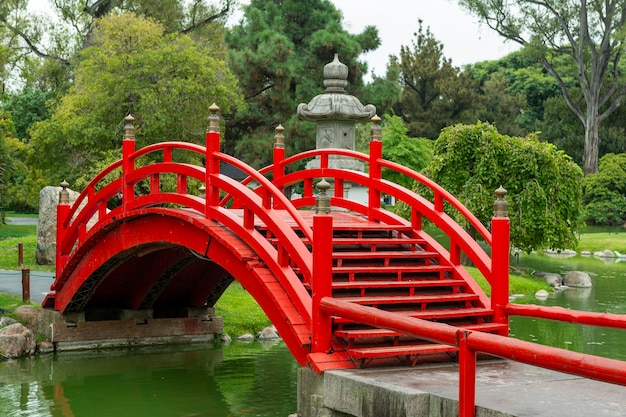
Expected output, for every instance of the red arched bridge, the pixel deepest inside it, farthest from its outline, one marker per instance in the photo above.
(345, 283)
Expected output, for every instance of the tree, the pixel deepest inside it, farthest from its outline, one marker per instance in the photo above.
(590, 33)
(435, 94)
(604, 195)
(45, 46)
(398, 147)
(543, 184)
(164, 80)
(278, 52)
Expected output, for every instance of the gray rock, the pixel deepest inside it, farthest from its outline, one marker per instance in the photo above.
(47, 225)
(6, 321)
(245, 338)
(225, 338)
(16, 340)
(604, 254)
(45, 346)
(269, 333)
(554, 280)
(577, 279)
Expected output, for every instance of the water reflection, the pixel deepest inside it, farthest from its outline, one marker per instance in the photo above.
(608, 294)
(235, 380)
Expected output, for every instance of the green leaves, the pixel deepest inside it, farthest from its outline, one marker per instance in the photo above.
(543, 184)
(166, 82)
(605, 191)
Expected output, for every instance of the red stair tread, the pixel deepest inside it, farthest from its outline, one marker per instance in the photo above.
(387, 351)
(402, 299)
(391, 269)
(437, 314)
(411, 254)
(401, 284)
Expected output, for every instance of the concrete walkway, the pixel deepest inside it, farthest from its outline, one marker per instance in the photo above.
(503, 388)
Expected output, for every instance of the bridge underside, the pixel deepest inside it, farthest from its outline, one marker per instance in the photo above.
(165, 266)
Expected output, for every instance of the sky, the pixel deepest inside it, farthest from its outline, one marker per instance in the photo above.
(464, 40)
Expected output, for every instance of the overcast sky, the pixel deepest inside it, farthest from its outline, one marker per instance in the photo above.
(464, 40)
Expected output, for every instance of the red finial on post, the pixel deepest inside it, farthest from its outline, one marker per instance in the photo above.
(128, 165)
(63, 210)
(279, 154)
(376, 153)
(500, 252)
(212, 162)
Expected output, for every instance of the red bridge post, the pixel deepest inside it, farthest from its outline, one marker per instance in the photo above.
(128, 147)
(212, 163)
(63, 210)
(376, 153)
(279, 154)
(500, 252)
(321, 280)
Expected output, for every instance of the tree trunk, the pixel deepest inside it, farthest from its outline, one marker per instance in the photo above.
(592, 141)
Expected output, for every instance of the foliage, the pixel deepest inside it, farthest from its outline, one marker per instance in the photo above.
(164, 80)
(398, 147)
(588, 34)
(26, 107)
(604, 197)
(543, 184)
(435, 94)
(278, 52)
(44, 45)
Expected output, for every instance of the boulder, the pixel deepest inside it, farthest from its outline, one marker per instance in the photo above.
(245, 338)
(268, 333)
(45, 346)
(554, 280)
(47, 224)
(6, 321)
(577, 279)
(16, 340)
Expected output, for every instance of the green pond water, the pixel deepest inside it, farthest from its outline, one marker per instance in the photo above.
(255, 379)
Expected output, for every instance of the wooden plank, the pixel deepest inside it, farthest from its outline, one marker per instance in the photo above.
(405, 299)
(436, 314)
(398, 284)
(402, 254)
(392, 269)
(389, 351)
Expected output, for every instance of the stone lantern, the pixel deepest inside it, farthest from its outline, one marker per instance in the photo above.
(336, 114)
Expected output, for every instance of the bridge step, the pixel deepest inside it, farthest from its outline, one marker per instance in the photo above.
(412, 299)
(405, 283)
(443, 314)
(408, 354)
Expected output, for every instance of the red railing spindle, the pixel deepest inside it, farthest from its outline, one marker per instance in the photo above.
(467, 376)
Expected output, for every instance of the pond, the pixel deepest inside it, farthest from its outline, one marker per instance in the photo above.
(238, 379)
(608, 294)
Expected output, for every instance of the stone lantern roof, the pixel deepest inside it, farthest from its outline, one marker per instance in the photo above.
(335, 104)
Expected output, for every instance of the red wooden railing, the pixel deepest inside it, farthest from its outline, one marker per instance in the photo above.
(76, 223)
